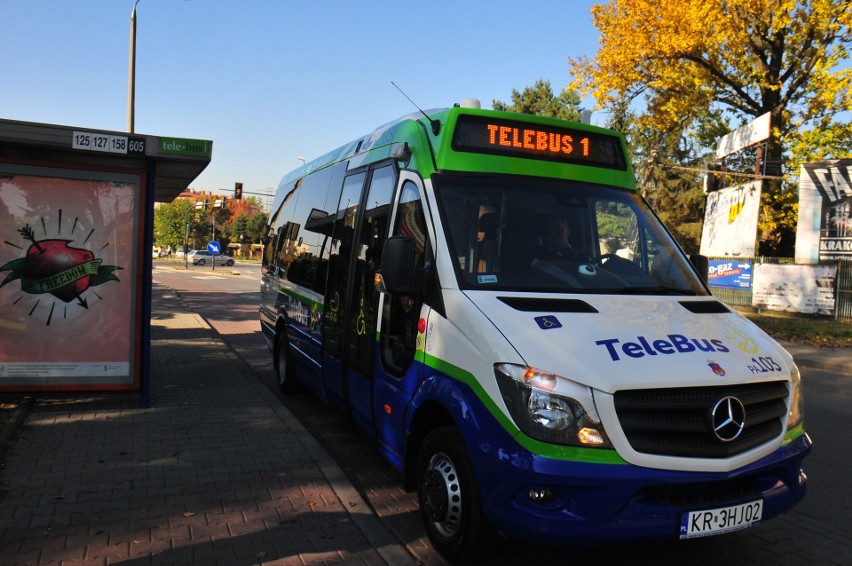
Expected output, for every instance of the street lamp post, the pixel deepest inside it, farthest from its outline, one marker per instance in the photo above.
(186, 237)
(131, 80)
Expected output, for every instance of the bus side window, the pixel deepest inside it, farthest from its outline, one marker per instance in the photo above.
(269, 244)
(308, 232)
(401, 313)
(273, 241)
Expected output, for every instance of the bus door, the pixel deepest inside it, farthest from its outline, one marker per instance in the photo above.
(361, 227)
(403, 322)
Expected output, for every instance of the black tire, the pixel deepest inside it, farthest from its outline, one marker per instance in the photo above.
(450, 504)
(200, 262)
(287, 381)
(229, 262)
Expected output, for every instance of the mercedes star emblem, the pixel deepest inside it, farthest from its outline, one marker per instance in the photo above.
(728, 418)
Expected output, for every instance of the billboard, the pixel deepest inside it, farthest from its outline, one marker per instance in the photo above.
(68, 278)
(732, 274)
(755, 131)
(730, 221)
(824, 229)
(794, 288)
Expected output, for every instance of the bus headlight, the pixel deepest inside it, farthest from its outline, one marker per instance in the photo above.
(797, 399)
(549, 407)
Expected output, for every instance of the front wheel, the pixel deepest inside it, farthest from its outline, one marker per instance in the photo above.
(287, 382)
(450, 504)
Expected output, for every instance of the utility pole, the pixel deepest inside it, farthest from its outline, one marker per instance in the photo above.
(131, 80)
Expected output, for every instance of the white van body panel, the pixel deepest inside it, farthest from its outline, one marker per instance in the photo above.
(470, 341)
(634, 342)
(589, 348)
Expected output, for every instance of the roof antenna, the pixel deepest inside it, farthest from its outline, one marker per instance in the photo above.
(436, 124)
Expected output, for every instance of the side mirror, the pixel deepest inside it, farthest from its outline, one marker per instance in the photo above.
(396, 271)
(701, 265)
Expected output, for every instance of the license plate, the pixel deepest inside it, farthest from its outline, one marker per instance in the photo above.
(709, 522)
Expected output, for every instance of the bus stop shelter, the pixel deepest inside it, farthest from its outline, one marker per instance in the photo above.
(76, 230)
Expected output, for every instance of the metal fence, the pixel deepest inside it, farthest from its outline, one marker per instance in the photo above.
(741, 299)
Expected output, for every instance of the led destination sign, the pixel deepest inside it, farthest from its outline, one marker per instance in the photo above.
(520, 139)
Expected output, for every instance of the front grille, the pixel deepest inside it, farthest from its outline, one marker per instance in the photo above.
(678, 422)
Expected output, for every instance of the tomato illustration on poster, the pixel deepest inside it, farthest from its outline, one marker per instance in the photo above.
(67, 278)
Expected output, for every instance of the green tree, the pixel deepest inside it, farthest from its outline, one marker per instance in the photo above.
(539, 99)
(741, 57)
(170, 222)
(256, 227)
(187, 218)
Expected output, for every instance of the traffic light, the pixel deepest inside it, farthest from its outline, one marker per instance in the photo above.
(238, 191)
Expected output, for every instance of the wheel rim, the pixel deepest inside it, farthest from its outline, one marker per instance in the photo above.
(442, 495)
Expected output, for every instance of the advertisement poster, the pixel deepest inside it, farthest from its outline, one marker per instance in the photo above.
(67, 277)
(794, 288)
(824, 229)
(730, 221)
(731, 274)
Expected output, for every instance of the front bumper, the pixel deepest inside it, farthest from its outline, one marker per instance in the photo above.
(593, 502)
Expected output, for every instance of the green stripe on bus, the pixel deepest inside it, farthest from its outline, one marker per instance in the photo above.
(302, 299)
(794, 433)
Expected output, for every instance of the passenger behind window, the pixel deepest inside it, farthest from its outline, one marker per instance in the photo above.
(487, 243)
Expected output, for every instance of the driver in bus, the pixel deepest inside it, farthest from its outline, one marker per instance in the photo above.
(554, 238)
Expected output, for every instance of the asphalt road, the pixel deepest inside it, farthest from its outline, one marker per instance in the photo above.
(817, 531)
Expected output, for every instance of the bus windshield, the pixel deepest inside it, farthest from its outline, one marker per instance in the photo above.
(547, 235)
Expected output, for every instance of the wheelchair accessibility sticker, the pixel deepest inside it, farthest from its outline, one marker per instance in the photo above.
(548, 322)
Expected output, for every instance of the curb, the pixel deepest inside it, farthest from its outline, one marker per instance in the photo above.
(394, 552)
(362, 514)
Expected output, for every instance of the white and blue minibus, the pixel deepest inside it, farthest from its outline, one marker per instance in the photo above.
(490, 298)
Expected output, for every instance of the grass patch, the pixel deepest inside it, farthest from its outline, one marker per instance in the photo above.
(817, 332)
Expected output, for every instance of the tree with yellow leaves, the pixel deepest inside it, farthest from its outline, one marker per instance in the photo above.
(745, 57)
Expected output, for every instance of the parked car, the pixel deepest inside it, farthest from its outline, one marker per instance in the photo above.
(203, 257)
(180, 252)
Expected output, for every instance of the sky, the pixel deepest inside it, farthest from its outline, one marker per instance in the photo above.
(270, 81)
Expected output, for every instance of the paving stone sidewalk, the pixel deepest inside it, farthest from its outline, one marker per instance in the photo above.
(214, 471)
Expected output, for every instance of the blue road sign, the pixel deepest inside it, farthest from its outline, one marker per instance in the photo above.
(214, 247)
